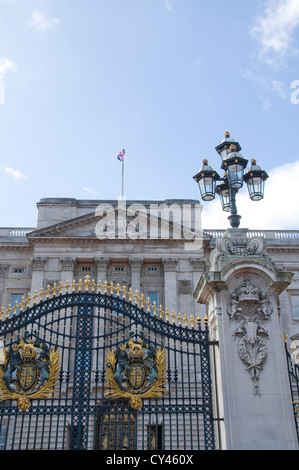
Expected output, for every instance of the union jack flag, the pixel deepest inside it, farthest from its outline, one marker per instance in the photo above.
(120, 156)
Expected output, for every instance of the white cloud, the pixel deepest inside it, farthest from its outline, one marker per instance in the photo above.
(42, 22)
(275, 31)
(279, 88)
(275, 87)
(169, 4)
(277, 211)
(6, 65)
(88, 190)
(266, 103)
(16, 174)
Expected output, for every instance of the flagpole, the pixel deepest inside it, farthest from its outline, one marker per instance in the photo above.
(122, 179)
(120, 157)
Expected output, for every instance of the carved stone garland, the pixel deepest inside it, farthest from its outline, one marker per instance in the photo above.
(249, 309)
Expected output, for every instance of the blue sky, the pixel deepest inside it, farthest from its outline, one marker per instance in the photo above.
(82, 79)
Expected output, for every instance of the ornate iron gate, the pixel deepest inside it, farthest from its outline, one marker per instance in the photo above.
(92, 366)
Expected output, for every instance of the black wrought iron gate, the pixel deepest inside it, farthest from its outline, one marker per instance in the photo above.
(77, 407)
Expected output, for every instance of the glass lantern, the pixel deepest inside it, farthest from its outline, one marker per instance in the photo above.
(234, 166)
(255, 178)
(206, 179)
(222, 190)
(224, 147)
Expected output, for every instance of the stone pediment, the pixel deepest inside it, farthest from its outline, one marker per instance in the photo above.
(83, 226)
(108, 223)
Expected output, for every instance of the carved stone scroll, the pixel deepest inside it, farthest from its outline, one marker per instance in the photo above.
(236, 245)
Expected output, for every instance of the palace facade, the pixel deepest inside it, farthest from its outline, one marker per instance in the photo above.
(159, 250)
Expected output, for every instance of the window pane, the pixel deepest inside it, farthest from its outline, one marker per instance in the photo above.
(153, 297)
(295, 306)
(18, 298)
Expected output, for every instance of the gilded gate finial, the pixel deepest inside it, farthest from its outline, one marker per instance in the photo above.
(106, 288)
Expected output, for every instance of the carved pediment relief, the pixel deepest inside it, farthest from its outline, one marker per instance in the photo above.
(108, 222)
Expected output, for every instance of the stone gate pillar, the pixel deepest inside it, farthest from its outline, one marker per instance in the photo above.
(241, 292)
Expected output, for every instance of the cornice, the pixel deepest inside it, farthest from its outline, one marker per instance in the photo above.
(93, 240)
(283, 249)
(15, 246)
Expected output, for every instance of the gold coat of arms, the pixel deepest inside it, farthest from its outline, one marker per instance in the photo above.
(30, 371)
(136, 371)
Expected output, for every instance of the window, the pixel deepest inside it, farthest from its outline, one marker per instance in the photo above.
(19, 270)
(114, 312)
(153, 297)
(16, 298)
(152, 270)
(295, 306)
(86, 269)
(119, 269)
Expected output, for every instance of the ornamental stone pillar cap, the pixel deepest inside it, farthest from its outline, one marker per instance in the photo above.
(236, 244)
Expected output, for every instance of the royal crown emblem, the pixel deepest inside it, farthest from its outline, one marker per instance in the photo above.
(30, 371)
(135, 370)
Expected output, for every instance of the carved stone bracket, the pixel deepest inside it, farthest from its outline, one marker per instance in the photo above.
(136, 264)
(102, 263)
(169, 264)
(38, 264)
(67, 264)
(250, 309)
(198, 264)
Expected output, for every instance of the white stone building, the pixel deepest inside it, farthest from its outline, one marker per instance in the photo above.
(159, 249)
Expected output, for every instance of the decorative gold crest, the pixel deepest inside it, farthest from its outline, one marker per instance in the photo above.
(30, 371)
(136, 371)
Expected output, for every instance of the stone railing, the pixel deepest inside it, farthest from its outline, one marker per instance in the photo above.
(15, 232)
(268, 234)
(214, 233)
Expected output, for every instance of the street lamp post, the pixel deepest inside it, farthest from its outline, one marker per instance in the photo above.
(234, 166)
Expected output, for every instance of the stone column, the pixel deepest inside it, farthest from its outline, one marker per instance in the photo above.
(67, 269)
(102, 264)
(4, 301)
(241, 292)
(136, 265)
(170, 284)
(198, 266)
(38, 265)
